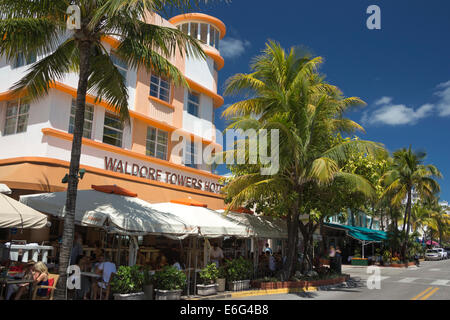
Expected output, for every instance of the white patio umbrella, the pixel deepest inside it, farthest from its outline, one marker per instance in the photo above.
(259, 226)
(4, 189)
(209, 223)
(14, 214)
(115, 213)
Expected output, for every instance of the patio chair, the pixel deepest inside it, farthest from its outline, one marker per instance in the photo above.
(52, 281)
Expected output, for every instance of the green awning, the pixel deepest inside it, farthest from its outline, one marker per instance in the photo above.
(359, 233)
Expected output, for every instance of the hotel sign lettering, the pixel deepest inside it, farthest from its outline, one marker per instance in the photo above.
(162, 175)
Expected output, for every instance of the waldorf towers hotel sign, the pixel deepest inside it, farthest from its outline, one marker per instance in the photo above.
(162, 174)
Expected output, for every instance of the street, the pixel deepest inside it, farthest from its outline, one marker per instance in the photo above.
(430, 281)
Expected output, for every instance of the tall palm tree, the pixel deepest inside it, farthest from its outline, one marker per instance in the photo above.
(38, 27)
(285, 92)
(407, 175)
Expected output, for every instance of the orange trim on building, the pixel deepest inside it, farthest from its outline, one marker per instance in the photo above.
(215, 55)
(190, 202)
(114, 149)
(164, 103)
(66, 164)
(201, 17)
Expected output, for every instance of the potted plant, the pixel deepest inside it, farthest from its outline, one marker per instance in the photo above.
(148, 284)
(387, 257)
(127, 284)
(221, 280)
(238, 272)
(169, 283)
(208, 276)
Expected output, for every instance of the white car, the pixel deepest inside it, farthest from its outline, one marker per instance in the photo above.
(442, 253)
(432, 254)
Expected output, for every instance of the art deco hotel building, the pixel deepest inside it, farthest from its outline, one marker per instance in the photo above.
(36, 137)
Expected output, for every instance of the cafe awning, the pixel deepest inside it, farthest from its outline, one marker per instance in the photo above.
(259, 226)
(360, 233)
(209, 223)
(113, 212)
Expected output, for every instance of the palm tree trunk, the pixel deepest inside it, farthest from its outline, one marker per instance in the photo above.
(69, 219)
(293, 226)
(408, 210)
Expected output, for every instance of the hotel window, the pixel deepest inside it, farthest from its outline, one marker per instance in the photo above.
(112, 130)
(193, 103)
(204, 29)
(157, 141)
(121, 65)
(190, 153)
(194, 30)
(22, 60)
(160, 88)
(16, 120)
(88, 119)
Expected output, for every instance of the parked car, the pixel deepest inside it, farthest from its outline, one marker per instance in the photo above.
(448, 252)
(442, 253)
(432, 254)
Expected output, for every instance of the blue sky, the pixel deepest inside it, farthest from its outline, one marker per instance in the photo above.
(402, 71)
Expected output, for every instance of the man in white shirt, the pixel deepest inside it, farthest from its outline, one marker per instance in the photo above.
(216, 254)
(105, 269)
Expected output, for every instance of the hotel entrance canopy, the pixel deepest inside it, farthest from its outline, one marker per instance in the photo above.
(359, 233)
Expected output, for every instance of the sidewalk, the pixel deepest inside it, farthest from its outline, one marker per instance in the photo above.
(250, 293)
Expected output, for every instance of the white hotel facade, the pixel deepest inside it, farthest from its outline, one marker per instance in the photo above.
(35, 138)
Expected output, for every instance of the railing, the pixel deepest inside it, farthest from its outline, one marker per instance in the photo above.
(28, 252)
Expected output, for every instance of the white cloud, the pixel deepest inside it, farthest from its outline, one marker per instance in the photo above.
(231, 48)
(443, 105)
(396, 114)
(384, 100)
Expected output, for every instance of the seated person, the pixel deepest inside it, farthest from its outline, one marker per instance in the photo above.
(105, 268)
(173, 261)
(161, 262)
(27, 275)
(84, 263)
(40, 276)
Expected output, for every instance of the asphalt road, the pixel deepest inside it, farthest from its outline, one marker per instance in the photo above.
(430, 281)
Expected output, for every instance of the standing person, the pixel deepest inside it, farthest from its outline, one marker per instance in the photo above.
(216, 255)
(271, 264)
(332, 255)
(77, 249)
(268, 249)
(338, 259)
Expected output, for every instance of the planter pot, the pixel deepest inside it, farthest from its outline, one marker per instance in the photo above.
(148, 290)
(130, 296)
(168, 294)
(239, 285)
(207, 290)
(360, 262)
(325, 261)
(221, 283)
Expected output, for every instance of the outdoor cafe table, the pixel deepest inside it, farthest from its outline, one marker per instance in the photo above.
(5, 282)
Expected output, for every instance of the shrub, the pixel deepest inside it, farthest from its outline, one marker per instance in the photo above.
(209, 274)
(169, 278)
(127, 280)
(238, 269)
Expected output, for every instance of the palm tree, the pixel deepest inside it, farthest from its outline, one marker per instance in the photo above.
(38, 27)
(408, 175)
(285, 93)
